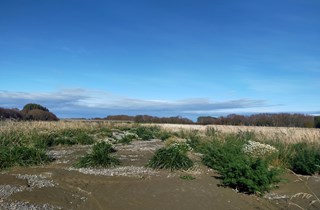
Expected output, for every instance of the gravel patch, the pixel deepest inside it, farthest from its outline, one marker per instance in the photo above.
(129, 171)
(38, 181)
(26, 206)
(57, 154)
(7, 190)
(135, 146)
(275, 196)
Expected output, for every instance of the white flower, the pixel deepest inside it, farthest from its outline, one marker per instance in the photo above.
(258, 149)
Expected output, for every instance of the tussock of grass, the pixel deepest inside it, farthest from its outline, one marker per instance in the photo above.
(21, 156)
(173, 157)
(305, 159)
(100, 156)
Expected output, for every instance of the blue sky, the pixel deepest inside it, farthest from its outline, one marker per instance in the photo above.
(166, 58)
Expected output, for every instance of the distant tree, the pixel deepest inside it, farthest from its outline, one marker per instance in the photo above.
(31, 106)
(207, 120)
(10, 114)
(40, 115)
(264, 119)
(119, 118)
(317, 122)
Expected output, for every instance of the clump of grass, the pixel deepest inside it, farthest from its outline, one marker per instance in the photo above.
(164, 135)
(305, 159)
(21, 156)
(173, 157)
(238, 170)
(64, 137)
(100, 156)
(127, 139)
(84, 139)
(147, 132)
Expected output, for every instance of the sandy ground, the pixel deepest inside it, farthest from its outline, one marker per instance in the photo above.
(133, 186)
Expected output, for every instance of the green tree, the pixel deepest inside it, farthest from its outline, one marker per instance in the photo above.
(30, 106)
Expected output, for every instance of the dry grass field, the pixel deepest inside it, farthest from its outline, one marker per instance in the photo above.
(284, 134)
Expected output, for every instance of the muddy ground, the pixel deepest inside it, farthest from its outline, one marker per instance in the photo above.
(133, 186)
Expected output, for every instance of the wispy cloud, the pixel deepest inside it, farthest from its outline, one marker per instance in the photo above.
(91, 101)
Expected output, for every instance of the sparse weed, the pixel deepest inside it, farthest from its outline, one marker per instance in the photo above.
(187, 177)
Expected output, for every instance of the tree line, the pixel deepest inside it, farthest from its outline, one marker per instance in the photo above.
(38, 112)
(29, 112)
(276, 120)
(149, 119)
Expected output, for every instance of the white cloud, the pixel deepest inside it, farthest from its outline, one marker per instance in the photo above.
(91, 101)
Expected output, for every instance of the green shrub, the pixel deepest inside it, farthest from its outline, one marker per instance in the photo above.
(173, 157)
(305, 159)
(100, 156)
(238, 170)
(21, 156)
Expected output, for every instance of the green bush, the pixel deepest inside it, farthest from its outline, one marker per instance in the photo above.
(237, 169)
(305, 159)
(173, 157)
(100, 156)
(21, 156)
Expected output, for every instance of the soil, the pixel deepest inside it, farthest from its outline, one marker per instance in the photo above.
(133, 186)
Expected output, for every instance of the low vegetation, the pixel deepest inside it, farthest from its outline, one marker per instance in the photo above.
(173, 157)
(305, 159)
(245, 160)
(239, 167)
(100, 156)
(15, 155)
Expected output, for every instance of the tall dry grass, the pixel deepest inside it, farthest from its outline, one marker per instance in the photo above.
(283, 134)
